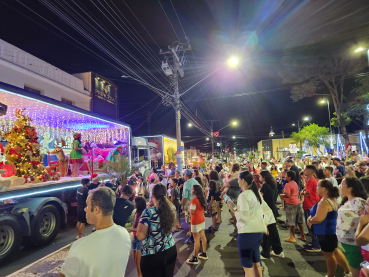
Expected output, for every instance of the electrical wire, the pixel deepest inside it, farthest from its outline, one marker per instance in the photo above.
(147, 118)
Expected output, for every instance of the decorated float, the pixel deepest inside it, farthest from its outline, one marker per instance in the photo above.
(47, 148)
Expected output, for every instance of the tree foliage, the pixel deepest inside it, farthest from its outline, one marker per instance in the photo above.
(344, 118)
(120, 169)
(312, 133)
(313, 73)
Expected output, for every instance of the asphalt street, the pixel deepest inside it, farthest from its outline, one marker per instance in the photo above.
(222, 251)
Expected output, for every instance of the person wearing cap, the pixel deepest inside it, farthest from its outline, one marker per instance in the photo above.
(187, 197)
(76, 159)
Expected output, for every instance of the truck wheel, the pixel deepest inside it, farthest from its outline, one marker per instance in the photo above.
(45, 225)
(10, 237)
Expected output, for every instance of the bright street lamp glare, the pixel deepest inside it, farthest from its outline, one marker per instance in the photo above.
(306, 118)
(234, 137)
(207, 138)
(234, 123)
(360, 49)
(189, 125)
(293, 124)
(233, 62)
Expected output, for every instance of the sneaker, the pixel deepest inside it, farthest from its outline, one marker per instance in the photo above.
(311, 249)
(194, 260)
(189, 240)
(348, 274)
(203, 256)
(281, 255)
(234, 234)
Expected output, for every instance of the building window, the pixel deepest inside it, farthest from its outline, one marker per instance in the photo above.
(32, 89)
(67, 101)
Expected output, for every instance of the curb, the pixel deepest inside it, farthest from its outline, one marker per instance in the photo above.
(18, 271)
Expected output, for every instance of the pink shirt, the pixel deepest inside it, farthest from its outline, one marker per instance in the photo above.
(293, 189)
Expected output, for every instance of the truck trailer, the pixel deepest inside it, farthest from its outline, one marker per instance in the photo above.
(33, 213)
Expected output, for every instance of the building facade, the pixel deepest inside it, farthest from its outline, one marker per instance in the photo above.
(23, 70)
(104, 94)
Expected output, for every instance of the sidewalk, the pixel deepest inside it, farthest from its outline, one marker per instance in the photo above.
(223, 258)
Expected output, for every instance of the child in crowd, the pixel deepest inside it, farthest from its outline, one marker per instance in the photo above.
(197, 206)
(175, 199)
(213, 206)
(140, 206)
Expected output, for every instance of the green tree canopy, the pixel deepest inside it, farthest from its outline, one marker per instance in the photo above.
(312, 133)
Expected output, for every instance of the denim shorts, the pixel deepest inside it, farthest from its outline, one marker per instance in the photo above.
(136, 244)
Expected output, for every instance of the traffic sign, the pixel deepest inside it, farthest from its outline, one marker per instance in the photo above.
(180, 148)
(216, 134)
(293, 149)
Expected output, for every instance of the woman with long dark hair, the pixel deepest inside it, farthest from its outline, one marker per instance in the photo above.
(352, 207)
(323, 216)
(140, 205)
(214, 176)
(268, 188)
(159, 252)
(197, 207)
(250, 224)
(274, 171)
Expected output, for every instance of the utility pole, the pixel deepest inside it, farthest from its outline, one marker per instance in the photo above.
(212, 137)
(175, 59)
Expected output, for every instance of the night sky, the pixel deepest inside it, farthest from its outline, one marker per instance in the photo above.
(135, 31)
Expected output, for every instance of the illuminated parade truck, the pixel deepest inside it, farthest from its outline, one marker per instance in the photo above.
(163, 150)
(33, 207)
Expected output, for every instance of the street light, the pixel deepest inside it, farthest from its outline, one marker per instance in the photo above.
(330, 123)
(189, 125)
(362, 49)
(234, 123)
(233, 61)
(207, 138)
(293, 124)
(306, 118)
(234, 137)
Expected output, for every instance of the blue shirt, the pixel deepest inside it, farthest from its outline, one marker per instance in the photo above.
(156, 241)
(187, 189)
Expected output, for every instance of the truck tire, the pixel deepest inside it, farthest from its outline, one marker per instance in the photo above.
(10, 237)
(45, 225)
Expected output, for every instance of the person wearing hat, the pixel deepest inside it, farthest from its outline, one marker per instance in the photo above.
(76, 159)
(187, 197)
(94, 181)
(114, 153)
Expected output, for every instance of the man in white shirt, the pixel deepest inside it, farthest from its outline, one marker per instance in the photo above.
(328, 171)
(106, 251)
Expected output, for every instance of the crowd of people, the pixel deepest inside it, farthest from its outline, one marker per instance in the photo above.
(326, 197)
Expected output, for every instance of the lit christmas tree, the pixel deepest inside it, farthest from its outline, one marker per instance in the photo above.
(23, 148)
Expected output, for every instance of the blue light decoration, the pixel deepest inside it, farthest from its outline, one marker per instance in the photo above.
(303, 150)
(86, 126)
(363, 143)
(339, 146)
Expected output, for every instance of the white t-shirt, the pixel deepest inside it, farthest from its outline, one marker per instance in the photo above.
(103, 253)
